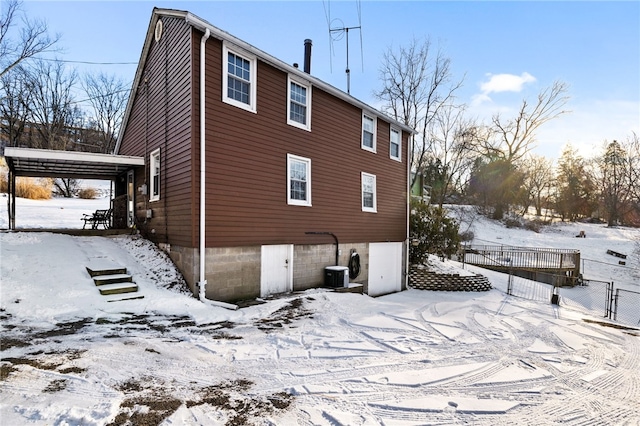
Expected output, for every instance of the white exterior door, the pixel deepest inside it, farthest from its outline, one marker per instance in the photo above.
(276, 269)
(130, 199)
(385, 268)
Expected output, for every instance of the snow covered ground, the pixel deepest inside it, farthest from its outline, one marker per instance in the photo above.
(71, 357)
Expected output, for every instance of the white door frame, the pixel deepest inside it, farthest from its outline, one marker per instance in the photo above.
(131, 194)
(276, 269)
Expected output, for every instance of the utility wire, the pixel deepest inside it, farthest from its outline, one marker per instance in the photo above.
(100, 96)
(87, 62)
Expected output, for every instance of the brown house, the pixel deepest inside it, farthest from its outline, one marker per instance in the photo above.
(291, 167)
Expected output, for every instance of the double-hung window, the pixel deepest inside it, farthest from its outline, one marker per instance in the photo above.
(368, 192)
(298, 180)
(154, 166)
(239, 79)
(395, 144)
(368, 132)
(299, 106)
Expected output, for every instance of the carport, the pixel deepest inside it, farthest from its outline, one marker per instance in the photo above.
(30, 162)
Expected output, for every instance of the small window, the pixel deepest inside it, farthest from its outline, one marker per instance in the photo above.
(299, 107)
(368, 133)
(395, 144)
(154, 165)
(298, 180)
(368, 192)
(239, 79)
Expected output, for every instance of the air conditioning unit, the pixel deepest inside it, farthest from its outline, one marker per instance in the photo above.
(336, 276)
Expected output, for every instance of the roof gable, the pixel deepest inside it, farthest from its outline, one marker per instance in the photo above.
(202, 25)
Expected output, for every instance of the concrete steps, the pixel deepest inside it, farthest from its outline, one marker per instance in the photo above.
(123, 296)
(118, 288)
(113, 281)
(102, 267)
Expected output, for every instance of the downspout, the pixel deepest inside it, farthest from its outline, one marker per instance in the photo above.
(408, 240)
(202, 284)
(203, 281)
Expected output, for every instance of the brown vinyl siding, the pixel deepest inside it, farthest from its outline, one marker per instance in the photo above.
(165, 99)
(246, 157)
(247, 161)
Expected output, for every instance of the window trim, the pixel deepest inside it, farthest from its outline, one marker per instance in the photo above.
(373, 209)
(375, 128)
(307, 86)
(253, 77)
(399, 132)
(155, 159)
(307, 161)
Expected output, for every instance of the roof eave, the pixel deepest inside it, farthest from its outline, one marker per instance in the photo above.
(141, 63)
(202, 25)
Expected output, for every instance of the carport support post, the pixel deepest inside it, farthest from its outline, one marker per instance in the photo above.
(11, 210)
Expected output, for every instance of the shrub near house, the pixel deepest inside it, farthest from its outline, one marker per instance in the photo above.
(431, 232)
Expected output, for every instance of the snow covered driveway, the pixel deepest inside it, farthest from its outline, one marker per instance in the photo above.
(71, 358)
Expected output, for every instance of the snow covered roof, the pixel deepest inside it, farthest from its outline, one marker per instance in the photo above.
(68, 164)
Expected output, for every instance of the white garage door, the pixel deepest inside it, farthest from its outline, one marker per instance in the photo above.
(385, 268)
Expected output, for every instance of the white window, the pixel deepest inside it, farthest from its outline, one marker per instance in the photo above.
(395, 146)
(368, 192)
(239, 79)
(298, 180)
(368, 132)
(154, 166)
(299, 106)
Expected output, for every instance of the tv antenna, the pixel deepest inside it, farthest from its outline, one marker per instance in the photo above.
(338, 31)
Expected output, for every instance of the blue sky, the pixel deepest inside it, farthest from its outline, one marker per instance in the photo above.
(506, 51)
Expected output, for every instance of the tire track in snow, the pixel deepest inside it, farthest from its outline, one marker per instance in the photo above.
(586, 401)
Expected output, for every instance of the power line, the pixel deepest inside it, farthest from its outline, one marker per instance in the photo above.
(100, 96)
(87, 62)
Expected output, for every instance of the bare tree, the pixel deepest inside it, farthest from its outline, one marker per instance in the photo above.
(32, 38)
(633, 151)
(15, 99)
(452, 138)
(617, 174)
(52, 107)
(416, 84)
(514, 138)
(66, 187)
(538, 180)
(108, 96)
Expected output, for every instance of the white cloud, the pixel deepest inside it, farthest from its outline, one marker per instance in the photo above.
(479, 98)
(502, 83)
(506, 83)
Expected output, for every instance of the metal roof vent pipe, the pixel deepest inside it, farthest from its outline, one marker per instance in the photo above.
(307, 56)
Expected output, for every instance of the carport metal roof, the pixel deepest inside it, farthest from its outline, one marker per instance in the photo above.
(67, 164)
(62, 164)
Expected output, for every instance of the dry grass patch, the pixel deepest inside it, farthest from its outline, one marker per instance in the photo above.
(26, 187)
(33, 189)
(88, 193)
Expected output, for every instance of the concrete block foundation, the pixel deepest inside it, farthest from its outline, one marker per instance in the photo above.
(233, 273)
